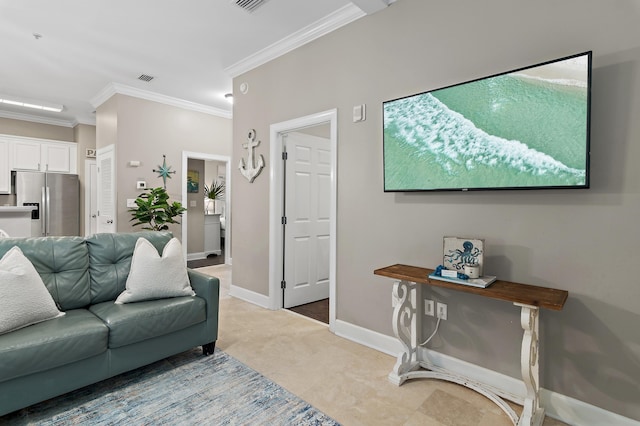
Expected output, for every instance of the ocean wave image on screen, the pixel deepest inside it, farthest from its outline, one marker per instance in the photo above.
(501, 132)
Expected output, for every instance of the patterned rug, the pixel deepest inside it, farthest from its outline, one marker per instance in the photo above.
(185, 389)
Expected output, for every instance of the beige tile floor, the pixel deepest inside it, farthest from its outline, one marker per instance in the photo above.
(345, 380)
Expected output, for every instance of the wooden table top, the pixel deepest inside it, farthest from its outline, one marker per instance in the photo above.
(542, 297)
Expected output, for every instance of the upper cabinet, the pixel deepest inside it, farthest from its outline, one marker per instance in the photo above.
(25, 155)
(44, 156)
(40, 155)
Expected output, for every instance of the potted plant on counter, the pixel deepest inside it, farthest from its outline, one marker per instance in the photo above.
(154, 211)
(213, 193)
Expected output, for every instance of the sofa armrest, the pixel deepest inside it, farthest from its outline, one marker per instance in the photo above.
(208, 288)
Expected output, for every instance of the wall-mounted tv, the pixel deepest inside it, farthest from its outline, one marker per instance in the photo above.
(522, 129)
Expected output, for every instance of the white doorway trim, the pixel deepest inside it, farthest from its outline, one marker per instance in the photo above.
(186, 155)
(276, 208)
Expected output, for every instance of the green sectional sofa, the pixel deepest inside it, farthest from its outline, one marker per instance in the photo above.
(97, 339)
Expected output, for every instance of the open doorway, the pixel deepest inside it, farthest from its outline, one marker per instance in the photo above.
(303, 268)
(210, 224)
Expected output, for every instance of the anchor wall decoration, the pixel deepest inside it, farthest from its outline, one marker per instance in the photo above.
(251, 170)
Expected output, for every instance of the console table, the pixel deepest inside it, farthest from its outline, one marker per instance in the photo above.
(407, 321)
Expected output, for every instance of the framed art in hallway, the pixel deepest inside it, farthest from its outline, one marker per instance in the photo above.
(193, 181)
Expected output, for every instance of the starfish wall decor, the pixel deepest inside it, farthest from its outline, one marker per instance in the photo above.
(164, 171)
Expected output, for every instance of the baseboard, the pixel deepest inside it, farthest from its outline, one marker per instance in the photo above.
(196, 256)
(249, 296)
(557, 406)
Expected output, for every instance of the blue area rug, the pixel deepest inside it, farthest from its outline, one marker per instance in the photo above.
(185, 389)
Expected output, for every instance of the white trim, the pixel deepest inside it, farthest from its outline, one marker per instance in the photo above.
(372, 6)
(372, 339)
(196, 256)
(113, 88)
(556, 405)
(37, 119)
(275, 205)
(249, 296)
(186, 155)
(329, 23)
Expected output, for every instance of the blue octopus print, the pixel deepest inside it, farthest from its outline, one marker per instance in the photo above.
(457, 258)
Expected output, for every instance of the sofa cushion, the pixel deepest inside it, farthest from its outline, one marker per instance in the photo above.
(77, 335)
(134, 322)
(156, 277)
(61, 262)
(24, 300)
(110, 260)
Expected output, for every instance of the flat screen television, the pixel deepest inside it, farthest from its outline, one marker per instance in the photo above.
(522, 129)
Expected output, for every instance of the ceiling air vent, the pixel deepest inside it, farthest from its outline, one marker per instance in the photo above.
(250, 5)
(145, 77)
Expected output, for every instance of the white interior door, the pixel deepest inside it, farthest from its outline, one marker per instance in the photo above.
(307, 212)
(106, 193)
(91, 197)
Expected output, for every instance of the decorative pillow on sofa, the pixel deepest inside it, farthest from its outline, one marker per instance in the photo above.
(155, 277)
(24, 299)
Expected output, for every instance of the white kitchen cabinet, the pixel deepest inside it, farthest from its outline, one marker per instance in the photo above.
(58, 157)
(42, 155)
(212, 234)
(5, 171)
(25, 155)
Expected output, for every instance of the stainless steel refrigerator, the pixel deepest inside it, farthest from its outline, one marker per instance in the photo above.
(55, 198)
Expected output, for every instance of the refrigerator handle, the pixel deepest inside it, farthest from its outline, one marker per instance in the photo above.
(48, 220)
(43, 212)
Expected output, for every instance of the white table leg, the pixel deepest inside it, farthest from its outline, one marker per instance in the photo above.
(532, 414)
(407, 325)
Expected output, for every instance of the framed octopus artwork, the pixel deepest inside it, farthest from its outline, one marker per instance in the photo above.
(460, 251)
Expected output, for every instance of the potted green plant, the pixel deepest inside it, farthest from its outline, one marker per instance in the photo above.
(154, 210)
(214, 192)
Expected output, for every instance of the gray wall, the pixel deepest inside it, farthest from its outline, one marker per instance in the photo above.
(195, 242)
(583, 241)
(143, 131)
(10, 126)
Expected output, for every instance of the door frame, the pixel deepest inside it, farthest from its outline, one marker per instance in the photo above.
(186, 156)
(276, 189)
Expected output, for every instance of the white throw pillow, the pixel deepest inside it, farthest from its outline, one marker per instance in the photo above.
(24, 299)
(155, 277)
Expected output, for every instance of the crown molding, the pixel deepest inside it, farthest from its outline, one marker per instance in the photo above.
(37, 119)
(117, 88)
(329, 23)
(89, 122)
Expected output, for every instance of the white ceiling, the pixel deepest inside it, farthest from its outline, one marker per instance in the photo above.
(91, 49)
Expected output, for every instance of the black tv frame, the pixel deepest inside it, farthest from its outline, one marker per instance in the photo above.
(586, 184)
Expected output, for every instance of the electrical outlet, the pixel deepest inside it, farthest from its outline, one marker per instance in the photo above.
(442, 310)
(428, 307)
